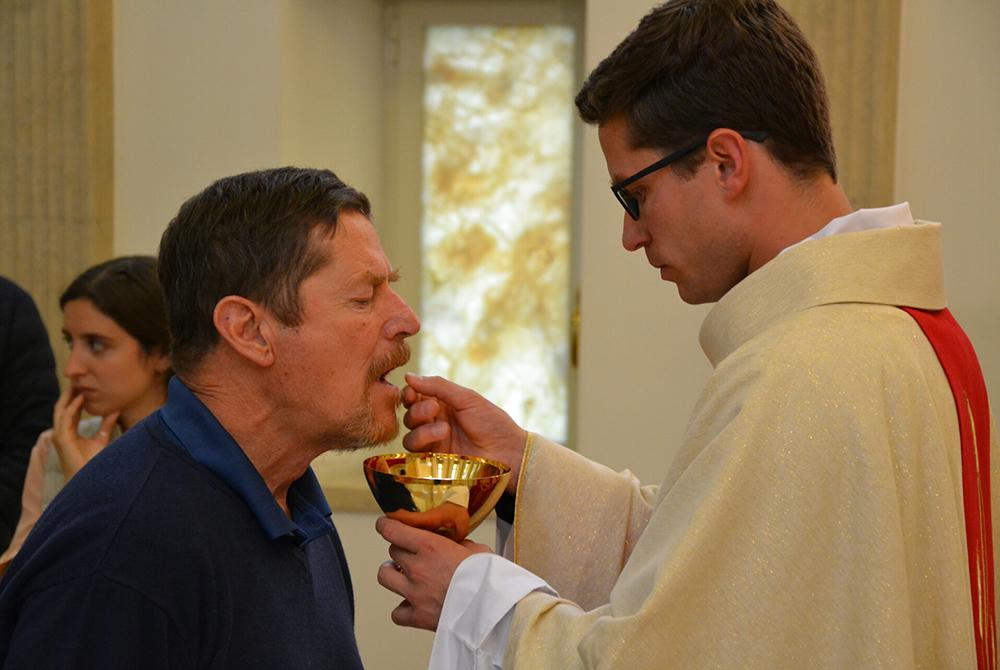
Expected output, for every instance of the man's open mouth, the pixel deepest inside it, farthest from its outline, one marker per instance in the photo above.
(398, 357)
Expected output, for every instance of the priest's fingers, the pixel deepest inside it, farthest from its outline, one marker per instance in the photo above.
(421, 607)
(429, 437)
(451, 393)
(422, 411)
(405, 614)
(410, 395)
(400, 558)
(401, 535)
(427, 558)
(392, 578)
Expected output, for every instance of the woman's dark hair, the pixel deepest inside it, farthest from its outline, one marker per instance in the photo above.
(127, 290)
(692, 66)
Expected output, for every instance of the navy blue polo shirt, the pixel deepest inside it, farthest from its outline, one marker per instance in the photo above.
(168, 551)
(203, 437)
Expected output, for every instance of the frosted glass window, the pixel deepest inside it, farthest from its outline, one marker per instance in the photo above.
(497, 174)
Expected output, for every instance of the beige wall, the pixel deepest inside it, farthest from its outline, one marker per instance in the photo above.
(205, 90)
(197, 96)
(331, 95)
(208, 89)
(948, 154)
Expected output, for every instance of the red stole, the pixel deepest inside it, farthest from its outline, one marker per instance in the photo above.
(961, 367)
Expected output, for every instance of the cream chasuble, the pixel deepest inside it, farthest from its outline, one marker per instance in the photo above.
(813, 517)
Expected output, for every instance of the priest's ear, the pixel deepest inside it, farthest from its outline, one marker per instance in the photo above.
(246, 328)
(729, 154)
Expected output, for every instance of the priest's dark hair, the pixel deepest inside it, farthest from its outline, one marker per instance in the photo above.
(692, 66)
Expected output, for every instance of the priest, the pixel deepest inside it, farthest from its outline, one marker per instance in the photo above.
(831, 504)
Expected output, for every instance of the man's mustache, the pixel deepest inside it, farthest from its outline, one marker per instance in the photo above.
(396, 357)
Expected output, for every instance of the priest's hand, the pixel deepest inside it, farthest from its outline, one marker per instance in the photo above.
(420, 571)
(445, 417)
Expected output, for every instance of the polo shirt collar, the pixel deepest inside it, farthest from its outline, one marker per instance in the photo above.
(203, 437)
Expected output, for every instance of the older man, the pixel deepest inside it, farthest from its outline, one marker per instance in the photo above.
(201, 538)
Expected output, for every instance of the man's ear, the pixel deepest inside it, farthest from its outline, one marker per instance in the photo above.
(245, 327)
(729, 154)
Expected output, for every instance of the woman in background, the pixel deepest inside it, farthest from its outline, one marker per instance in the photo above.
(115, 325)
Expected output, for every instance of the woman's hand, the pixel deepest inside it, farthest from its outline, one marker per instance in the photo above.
(74, 449)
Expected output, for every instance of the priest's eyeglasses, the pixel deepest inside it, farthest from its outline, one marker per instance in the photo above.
(631, 203)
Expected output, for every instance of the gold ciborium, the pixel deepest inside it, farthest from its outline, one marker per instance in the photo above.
(446, 493)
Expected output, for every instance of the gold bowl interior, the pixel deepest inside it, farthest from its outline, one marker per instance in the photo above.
(460, 486)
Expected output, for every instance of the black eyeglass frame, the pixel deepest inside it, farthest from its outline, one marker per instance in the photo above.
(631, 203)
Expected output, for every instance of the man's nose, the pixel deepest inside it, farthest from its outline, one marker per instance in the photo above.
(404, 322)
(634, 235)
